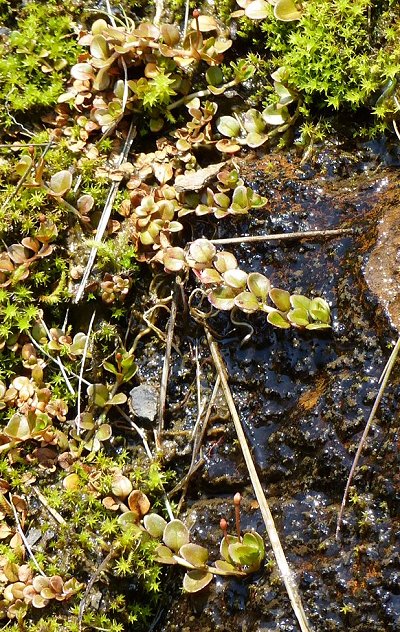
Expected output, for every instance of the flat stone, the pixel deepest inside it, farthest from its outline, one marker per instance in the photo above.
(143, 403)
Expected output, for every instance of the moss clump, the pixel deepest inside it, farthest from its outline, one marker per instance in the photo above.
(33, 60)
(341, 55)
(331, 56)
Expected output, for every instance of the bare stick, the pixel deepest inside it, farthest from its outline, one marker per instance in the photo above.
(307, 234)
(286, 573)
(383, 381)
(159, 11)
(23, 145)
(59, 361)
(194, 464)
(105, 215)
(23, 537)
(84, 354)
(113, 553)
(57, 517)
(167, 362)
(139, 430)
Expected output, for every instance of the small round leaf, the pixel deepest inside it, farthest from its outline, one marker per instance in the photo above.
(175, 535)
(60, 182)
(222, 298)
(247, 302)
(228, 126)
(154, 524)
(277, 319)
(194, 554)
(281, 298)
(258, 285)
(196, 580)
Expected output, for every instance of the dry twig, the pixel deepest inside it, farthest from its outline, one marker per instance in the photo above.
(286, 573)
(307, 234)
(383, 380)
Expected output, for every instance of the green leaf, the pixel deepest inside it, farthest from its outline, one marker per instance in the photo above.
(256, 139)
(129, 368)
(258, 285)
(318, 326)
(225, 566)
(258, 10)
(247, 302)
(18, 427)
(175, 535)
(235, 278)
(224, 546)
(228, 126)
(99, 394)
(99, 47)
(154, 524)
(202, 251)
(60, 183)
(239, 198)
(299, 317)
(284, 94)
(222, 298)
(298, 300)
(255, 540)
(23, 165)
(286, 11)
(194, 554)
(244, 555)
(196, 580)
(128, 519)
(117, 400)
(104, 432)
(275, 114)
(281, 298)
(319, 310)
(110, 367)
(253, 121)
(277, 319)
(225, 261)
(164, 555)
(214, 76)
(209, 276)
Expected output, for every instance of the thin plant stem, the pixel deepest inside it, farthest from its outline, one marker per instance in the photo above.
(286, 573)
(383, 382)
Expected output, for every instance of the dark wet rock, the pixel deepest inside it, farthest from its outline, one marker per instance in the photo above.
(143, 403)
(303, 400)
(382, 271)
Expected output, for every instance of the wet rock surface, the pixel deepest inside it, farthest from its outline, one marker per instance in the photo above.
(303, 400)
(143, 403)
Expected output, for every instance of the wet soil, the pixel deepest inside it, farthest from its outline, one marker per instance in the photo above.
(303, 400)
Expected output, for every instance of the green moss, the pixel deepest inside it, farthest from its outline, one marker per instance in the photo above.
(341, 54)
(34, 60)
